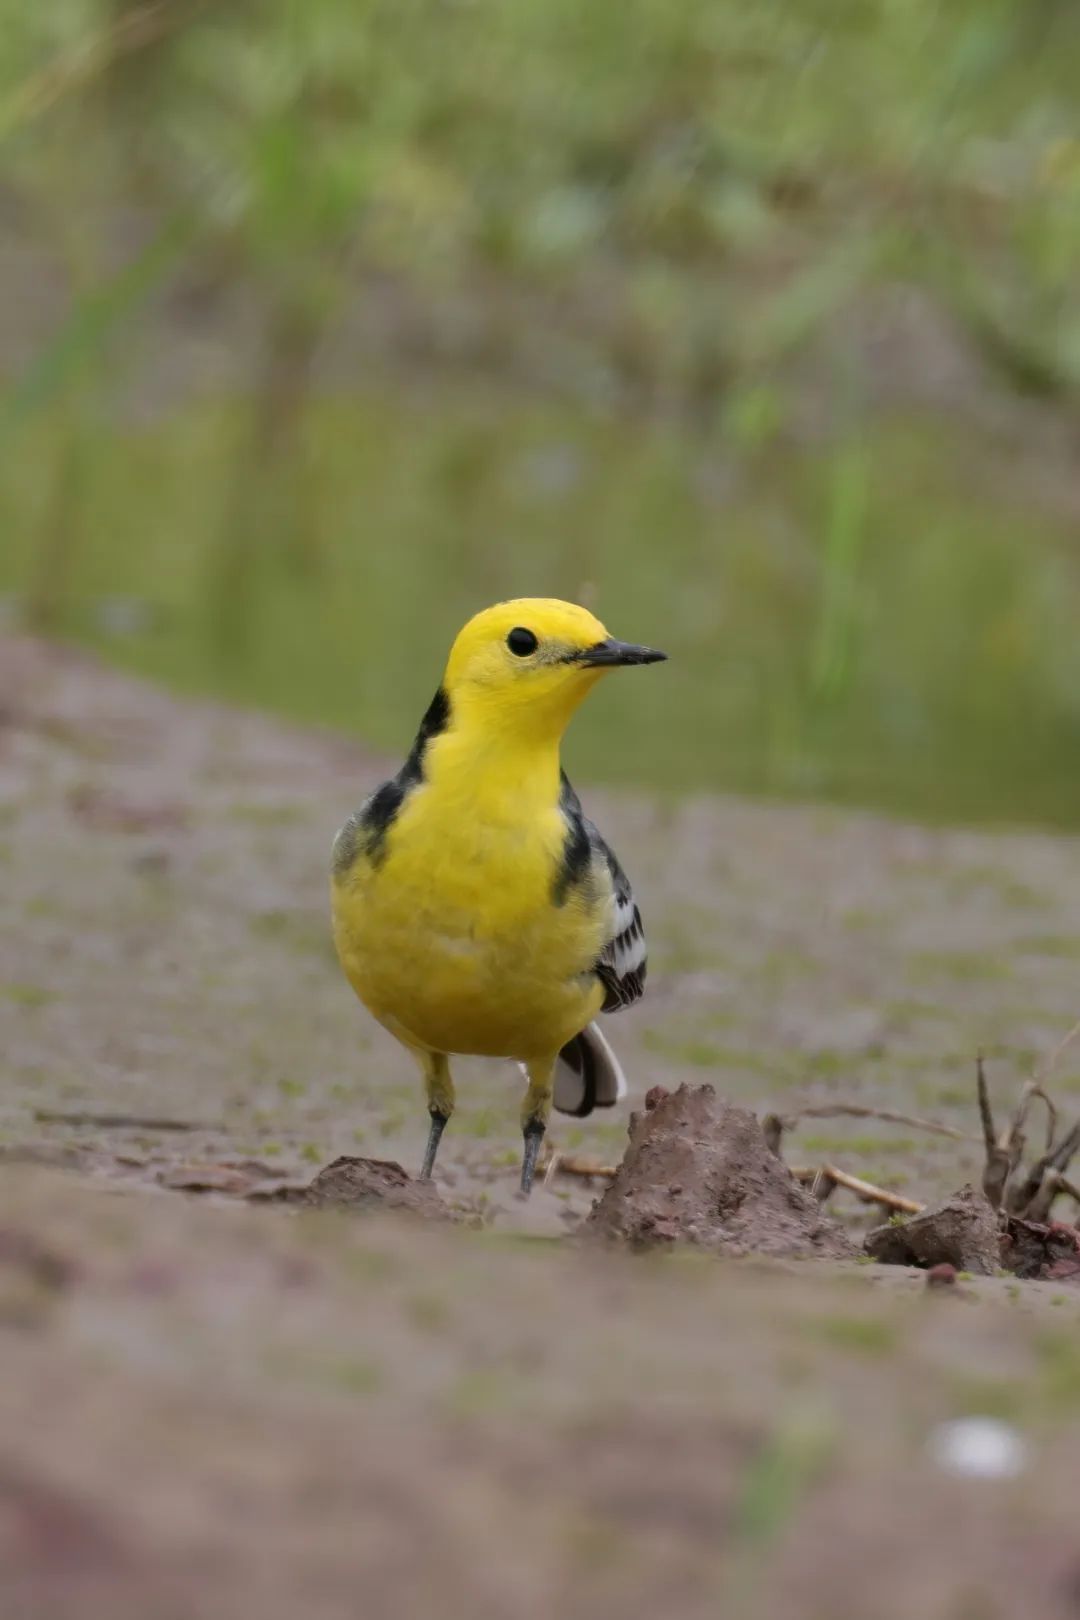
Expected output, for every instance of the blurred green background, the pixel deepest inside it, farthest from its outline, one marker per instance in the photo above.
(325, 322)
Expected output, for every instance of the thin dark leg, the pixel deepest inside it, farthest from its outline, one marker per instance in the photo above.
(440, 1101)
(438, 1125)
(534, 1134)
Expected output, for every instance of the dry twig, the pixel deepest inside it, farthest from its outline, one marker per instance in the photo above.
(567, 1164)
(822, 1175)
(998, 1167)
(1030, 1196)
(850, 1110)
(117, 1122)
(1059, 1050)
(1054, 1162)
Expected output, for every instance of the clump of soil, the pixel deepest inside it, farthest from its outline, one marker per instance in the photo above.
(1046, 1250)
(699, 1170)
(961, 1231)
(363, 1184)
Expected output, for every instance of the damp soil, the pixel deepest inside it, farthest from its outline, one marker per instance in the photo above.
(698, 1170)
(361, 1185)
(223, 1398)
(961, 1231)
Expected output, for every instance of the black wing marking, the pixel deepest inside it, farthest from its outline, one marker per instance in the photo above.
(365, 831)
(624, 961)
(622, 964)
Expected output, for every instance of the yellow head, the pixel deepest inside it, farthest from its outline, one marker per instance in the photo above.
(524, 666)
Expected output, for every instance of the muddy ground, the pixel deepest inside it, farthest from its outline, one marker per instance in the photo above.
(213, 1407)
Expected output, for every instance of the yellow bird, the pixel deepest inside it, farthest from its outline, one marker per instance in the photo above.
(475, 908)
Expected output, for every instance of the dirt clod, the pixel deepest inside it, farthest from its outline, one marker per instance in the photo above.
(699, 1170)
(961, 1231)
(1033, 1249)
(363, 1184)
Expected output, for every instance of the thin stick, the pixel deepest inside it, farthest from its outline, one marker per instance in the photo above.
(1060, 1157)
(1039, 1207)
(863, 1190)
(1026, 1197)
(553, 1164)
(1052, 1061)
(565, 1164)
(1015, 1128)
(986, 1113)
(1014, 1131)
(857, 1111)
(1051, 1113)
(137, 1122)
(823, 1185)
(1000, 1162)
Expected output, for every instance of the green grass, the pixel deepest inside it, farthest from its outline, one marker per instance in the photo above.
(861, 1146)
(27, 995)
(703, 1054)
(864, 1335)
(1065, 947)
(785, 1468)
(962, 967)
(1060, 1366)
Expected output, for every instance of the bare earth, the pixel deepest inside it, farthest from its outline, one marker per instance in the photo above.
(212, 1407)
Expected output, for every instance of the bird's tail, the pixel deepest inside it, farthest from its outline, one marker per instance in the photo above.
(587, 1074)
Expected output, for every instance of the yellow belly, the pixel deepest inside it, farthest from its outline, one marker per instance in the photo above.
(453, 942)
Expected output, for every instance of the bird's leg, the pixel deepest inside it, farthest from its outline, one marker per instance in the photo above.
(438, 1125)
(440, 1100)
(534, 1117)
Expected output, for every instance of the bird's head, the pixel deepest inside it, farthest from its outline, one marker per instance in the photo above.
(527, 664)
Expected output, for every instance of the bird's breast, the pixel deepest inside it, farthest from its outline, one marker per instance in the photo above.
(454, 935)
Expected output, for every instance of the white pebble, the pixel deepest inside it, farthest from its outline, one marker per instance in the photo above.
(979, 1448)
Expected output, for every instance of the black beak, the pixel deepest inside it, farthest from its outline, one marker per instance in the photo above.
(606, 654)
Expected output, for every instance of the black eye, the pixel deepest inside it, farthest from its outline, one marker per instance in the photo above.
(522, 642)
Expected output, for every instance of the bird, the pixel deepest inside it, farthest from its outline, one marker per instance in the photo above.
(476, 909)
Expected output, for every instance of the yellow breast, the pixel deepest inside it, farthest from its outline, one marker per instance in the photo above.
(452, 938)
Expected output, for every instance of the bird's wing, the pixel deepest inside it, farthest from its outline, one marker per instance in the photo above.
(623, 960)
(622, 963)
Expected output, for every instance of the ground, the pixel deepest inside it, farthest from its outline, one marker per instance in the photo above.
(225, 1408)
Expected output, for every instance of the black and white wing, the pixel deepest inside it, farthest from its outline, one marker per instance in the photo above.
(588, 1074)
(623, 961)
(621, 965)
